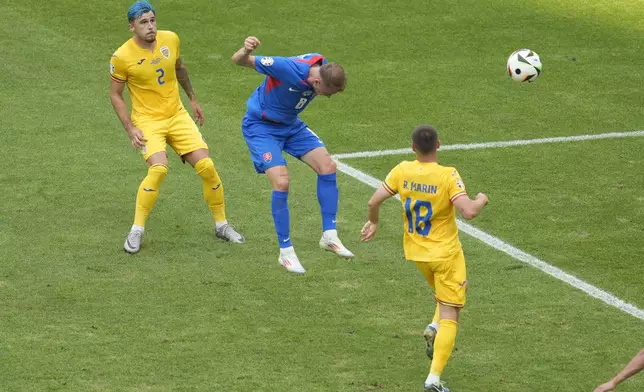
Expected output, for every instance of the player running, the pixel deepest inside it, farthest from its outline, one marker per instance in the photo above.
(150, 64)
(430, 194)
(271, 125)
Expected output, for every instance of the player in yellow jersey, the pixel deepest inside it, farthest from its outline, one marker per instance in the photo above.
(150, 65)
(430, 195)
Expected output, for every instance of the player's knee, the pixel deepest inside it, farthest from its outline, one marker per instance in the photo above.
(158, 172)
(328, 166)
(206, 169)
(449, 312)
(281, 183)
(158, 158)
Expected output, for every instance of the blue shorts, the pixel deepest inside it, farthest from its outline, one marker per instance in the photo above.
(266, 141)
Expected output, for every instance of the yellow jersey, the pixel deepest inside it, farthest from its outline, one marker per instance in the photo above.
(427, 191)
(150, 76)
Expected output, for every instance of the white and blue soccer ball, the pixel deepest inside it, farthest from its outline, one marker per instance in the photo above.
(524, 65)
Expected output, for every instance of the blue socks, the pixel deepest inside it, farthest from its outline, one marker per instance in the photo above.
(328, 198)
(281, 218)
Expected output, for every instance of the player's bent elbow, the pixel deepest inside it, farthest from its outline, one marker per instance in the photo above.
(243, 61)
(467, 208)
(468, 214)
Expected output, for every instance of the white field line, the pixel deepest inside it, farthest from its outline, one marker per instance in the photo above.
(515, 253)
(474, 146)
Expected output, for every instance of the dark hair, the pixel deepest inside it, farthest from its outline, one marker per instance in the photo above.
(333, 75)
(425, 139)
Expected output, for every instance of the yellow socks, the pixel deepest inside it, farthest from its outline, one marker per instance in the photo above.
(443, 346)
(213, 189)
(148, 192)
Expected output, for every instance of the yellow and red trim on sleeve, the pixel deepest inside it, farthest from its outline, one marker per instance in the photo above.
(117, 79)
(459, 194)
(388, 188)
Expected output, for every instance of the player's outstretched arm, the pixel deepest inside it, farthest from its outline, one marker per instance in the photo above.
(242, 56)
(184, 80)
(469, 208)
(633, 367)
(120, 107)
(370, 228)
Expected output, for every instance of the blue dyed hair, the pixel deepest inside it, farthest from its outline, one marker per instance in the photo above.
(137, 9)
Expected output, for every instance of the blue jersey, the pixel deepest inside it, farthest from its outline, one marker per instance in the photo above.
(285, 91)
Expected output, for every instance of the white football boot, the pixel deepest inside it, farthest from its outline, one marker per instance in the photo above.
(133, 241)
(288, 259)
(438, 387)
(227, 232)
(332, 243)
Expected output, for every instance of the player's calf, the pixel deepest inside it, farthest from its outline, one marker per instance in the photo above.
(213, 193)
(213, 189)
(148, 193)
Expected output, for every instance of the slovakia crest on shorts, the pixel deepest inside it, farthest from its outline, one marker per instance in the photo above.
(268, 157)
(165, 51)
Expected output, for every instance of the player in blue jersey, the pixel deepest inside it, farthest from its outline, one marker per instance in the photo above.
(271, 125)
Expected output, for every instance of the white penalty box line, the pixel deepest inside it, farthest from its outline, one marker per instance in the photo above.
(493, 241)
(511, 143)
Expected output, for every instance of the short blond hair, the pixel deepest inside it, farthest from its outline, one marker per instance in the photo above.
(333, 75)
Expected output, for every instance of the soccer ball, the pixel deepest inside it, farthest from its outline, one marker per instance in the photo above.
(524, 65)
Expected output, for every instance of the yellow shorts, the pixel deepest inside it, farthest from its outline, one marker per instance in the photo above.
(179, 131)
(448, 278)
